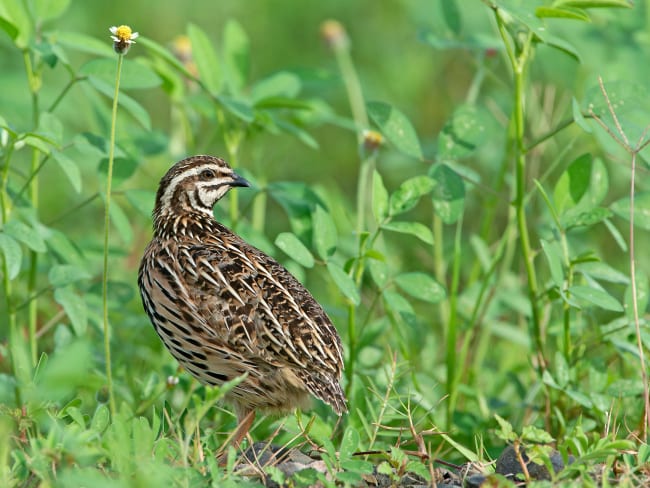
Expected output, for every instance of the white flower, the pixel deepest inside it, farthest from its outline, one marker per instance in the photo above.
(122, 37)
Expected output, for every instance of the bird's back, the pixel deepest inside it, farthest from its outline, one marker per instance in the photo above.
(224, 309)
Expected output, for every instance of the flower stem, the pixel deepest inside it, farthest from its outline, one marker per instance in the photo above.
(364, 188)
(109, 182)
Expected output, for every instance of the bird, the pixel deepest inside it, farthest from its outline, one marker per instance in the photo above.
(226, 310)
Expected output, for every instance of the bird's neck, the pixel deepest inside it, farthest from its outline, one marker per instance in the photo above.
(191, 224)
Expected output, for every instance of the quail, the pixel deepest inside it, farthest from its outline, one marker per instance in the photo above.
(226, 310)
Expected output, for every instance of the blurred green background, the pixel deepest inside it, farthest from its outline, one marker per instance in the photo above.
(425, 58)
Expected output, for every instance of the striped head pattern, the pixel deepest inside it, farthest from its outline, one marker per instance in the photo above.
(194, 185)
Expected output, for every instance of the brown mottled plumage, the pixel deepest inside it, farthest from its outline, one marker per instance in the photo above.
(224, 308)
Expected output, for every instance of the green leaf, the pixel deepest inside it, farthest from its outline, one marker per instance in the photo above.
(616, 235)
(416, 229)
(629, 100)
(281, 84)
(50, 128)
(601, 271)
(87, 44)
(142, 200)
(451, 13)
(349, 443)
(61, 275)
(409, 193)
(121, 222)
(8, 27)
(399, 306)
(573, 184)
(16, 22)
(594, 296)
(561, 370)
(580, 189)
(379, 198)
(136, 110)
(123, 169)
(25, 234)
(586, 218)
(101, 420)
(421, 285)
(236, 55)
(165, 54)
(378, 272)
(65, 373)
(206, 59)
(324, 233)
(357, 466)
(94, 145)
(562, 13)
(578, 118)
(344, 283)
(238, 108)
(396, 128)
(69, 168)
(63, 248)
(505, 430)
(49, 9)
(349, 478)
(595, 3)
(448, 193)
(579, 398)
(468, 128)
(295, 249)
(536, 435)
(554, 256)
(135, 75)
(525, 15)
(75, 309)
(641, 209)
(13, 254)
(39, 142)
(302, 135)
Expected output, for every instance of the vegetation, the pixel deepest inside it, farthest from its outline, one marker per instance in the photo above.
(462, 185)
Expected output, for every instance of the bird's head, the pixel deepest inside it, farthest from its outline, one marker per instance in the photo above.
(194, 185)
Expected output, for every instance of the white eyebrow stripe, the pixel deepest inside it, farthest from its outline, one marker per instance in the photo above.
(171, 186)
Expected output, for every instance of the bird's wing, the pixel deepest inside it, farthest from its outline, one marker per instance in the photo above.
(258, 307)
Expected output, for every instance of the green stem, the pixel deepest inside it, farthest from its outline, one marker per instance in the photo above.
(364, 192)
(33, 258)
(360, 117)
(522, 225)
(518, 62)
(353, 89)
(5, 211)
(452, 326)
(66, 88)
(34, 82)
(109, 182)
(358, 109)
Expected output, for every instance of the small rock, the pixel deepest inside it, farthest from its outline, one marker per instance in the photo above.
(508, 464)
(474, 481)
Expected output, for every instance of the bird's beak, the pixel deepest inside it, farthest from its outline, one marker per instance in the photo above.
(239, 181)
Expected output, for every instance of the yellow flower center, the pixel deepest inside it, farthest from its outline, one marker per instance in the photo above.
(373, 138)
(123, 33)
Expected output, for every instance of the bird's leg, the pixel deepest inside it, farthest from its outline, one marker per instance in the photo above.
(244, 422)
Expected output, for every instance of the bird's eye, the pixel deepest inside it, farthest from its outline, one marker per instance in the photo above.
(207, 174)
